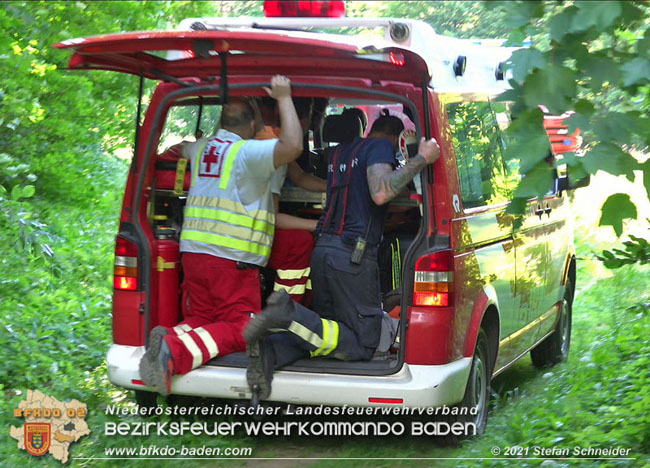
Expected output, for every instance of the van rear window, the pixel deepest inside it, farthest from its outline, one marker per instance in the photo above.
(187, 120)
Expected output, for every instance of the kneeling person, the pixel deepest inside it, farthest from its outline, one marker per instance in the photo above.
(346, 320)
(227, 234)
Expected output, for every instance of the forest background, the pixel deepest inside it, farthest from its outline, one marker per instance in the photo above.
(65, 144)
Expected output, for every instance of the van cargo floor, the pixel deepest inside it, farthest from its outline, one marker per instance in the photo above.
(381, 364)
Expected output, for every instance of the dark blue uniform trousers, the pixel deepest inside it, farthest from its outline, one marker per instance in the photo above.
(346, 320)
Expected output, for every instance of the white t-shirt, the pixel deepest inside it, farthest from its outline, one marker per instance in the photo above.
(277, 181)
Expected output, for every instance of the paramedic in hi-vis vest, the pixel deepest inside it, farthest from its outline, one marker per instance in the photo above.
(227, 235)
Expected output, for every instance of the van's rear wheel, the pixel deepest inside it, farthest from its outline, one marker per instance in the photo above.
(478, 386)
(474, 406)
(144, 399)
(555, 348)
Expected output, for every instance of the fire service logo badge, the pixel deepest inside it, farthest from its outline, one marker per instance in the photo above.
(37, 438)
(50, 426)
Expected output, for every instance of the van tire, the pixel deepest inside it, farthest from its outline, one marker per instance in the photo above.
(144, 399)
(555, 347)
(477, 393)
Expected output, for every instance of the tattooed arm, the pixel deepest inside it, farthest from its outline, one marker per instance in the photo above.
(385, 184)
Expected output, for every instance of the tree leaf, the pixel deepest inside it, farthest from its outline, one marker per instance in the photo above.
(601, 70)
(28, 191)
(570, 159)
(617, 126)
(559, 24)
(636, 71)
(607, 254)
(527, 140)
(537, 182)
(578, 120)
(646, 176)
(521, 13)
(630, 12)
(643, 45)
(552, 87)
(513, 95)
(517, 206)
(610, 158)
(576, 173)
(16, 192)
(516, 38)
(595, 14)
(582, 117)
(615, 209)
(523, 61)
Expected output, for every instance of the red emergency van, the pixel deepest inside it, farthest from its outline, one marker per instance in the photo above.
(473, 291)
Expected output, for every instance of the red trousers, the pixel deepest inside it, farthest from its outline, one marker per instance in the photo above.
(290, 259)
(221, 301)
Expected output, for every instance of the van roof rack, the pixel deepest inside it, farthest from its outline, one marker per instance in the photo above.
(455, 65)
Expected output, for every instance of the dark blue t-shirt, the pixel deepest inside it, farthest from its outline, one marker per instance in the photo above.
(348, 196)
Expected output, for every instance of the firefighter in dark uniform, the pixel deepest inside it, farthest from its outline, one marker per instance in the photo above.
(347, 316)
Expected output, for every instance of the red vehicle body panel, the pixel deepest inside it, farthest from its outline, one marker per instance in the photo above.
(128, 322)
(430, 342)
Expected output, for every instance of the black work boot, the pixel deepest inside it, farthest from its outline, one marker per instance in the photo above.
(155, 340)
(259, 374)
(157, 364)
(278, 313)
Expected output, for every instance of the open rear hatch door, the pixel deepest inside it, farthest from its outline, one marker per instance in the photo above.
(198, 54)
(191, 55)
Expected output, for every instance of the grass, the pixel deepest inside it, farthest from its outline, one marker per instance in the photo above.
(57, 331)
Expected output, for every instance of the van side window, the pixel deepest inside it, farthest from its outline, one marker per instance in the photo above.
(477, 144)
(502, 115)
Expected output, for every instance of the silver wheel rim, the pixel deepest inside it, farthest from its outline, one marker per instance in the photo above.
(478, 388)
(564, 328)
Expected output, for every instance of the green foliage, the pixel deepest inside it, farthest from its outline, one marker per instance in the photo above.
(609, 158)
(525, 60)
(60, 184)
(551, 86)
(615, 209)
(460, 19)
(590, 57)
(483, 176)
(646, 177)
(636, 250)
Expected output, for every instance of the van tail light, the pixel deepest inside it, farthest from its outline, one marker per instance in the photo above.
(125, 268)
(396, 58)
(434, 280)
(304, 8)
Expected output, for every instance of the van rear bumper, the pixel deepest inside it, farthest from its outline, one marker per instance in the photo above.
(414, 385)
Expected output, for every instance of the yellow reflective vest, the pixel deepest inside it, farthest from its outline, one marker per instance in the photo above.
(229, 211)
